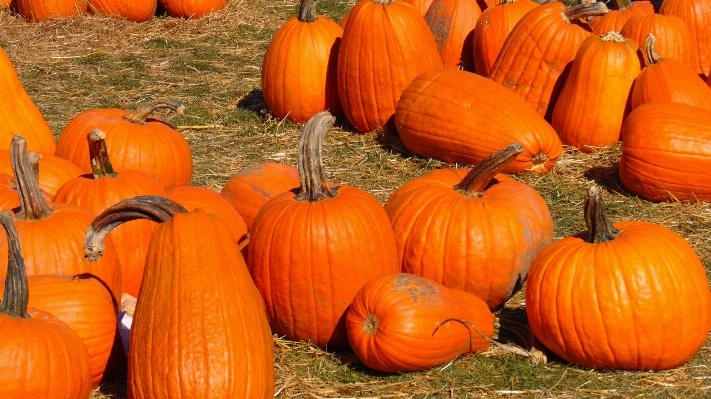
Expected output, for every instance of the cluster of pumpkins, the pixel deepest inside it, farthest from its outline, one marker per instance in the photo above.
(132, 10)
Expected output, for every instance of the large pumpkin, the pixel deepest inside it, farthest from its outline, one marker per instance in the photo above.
(192, 9)
(132, 10)
(452, 23)
(673, 38)
(332, 241)
(39, 10)
(632, 295)
(461, 117)
(134, 141)
(696, 14)
(199, 329)
(615, 19)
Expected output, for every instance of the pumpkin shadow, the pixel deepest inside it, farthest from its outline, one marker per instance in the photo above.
(607, 177)
(389, 141)
(254, 102)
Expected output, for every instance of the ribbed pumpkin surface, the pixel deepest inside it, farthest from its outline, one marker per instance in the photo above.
(673, 38)
(39, 10)
(696, 14)
(132, 10)
(191, 8)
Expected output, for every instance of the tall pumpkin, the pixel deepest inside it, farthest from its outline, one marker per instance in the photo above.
(192, 9)
(199, 329)
(332, 240)
(19, 113)
(472, 230)
(299, 68)
(39, 10)
(632, 295)
(452, 23)
(132, 10)
(696, 14)
(595, 99)
(385, 45)
(673, 38)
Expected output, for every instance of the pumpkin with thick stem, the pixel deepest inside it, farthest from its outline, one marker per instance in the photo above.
(472, 230)
(615, 19)
(668, 80)
(132, 10)
(9, 194)
(461, 117)
(538, 52)
(452, 23)
(398, 323)
(105, 187)
(192, 9)
(41, 356)
(199, 329)
(134, 141)
(696, 14)
(53, 171)
(673, 38)
(332, 240)
(39, 10)
(630, 295)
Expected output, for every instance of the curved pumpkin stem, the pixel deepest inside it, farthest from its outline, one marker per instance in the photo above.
(307, 11)
(141, 113)
(650, 50)
(585, 10)
(99, 155)
(314, 186)
(157, 209)
(475, 182)
(17, 292)
(32, 203)
(599, 226)
(622, 5)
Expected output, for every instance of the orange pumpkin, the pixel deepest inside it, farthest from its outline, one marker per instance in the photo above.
(39, 10)
(614, 20)
(696, 14)
(673, 38)
(631, 296)
(132, 10)
(452, 23)
(53, 171)
(420, 5)
(192, 9)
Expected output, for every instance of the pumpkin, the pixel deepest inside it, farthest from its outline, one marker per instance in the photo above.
(420, 5)
(668, 80)
(134, 141)
(192, 9)
(299, 68)
(39, 10)
(452, 23)
(674, 39)
(666, 152)
(132, 10)
(86, 306)
(471, 230)
(308, 280)
(199, 329)
(53, 171)
(9, 195)
(491, 30)
(105, 187)
(19, 113)
(594, 100)
(252, 186)
(399, 323)
(385, 45)
(538, 51)
(630, 295)
(42, 356)
(696, 14)
(614, 20)
(51, 232)
(461, 117)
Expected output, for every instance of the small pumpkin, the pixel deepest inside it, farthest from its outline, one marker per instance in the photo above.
(132, 10)
(39, 10)
(191, 9)
(452, 23)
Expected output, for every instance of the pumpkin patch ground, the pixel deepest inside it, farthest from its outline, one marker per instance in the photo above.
(212, 66)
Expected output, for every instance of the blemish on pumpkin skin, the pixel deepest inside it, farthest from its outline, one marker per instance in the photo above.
(417, 288)
(261, 190)
(440, 27)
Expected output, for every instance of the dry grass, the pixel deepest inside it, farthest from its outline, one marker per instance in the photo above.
(212, 65)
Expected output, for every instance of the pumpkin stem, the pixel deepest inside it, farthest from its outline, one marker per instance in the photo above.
(612, 36)
(34, 163)
(622, 5)
(141, 113)
(32, 203)
(17, 292)
(157, 209)
(383, 2)
(599, 226)
(371, 324)
(584, 11)
(307, 11)
(650, 50)
(475, 182)
(314, 186)
(99, 155)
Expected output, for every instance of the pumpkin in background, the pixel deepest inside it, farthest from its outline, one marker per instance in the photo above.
(192, 9)
(299, 68)
(696, 14)
(132, 10)
(595, 99)
(105, 187)
(53, 171)
(19, 114)
(9, 194)
(52, 232)
(251, 187)
(39, 10)
(332, 240)
(42, 356)
(615, 19)
(452, 24)
(461, 117)
(420, 5)
(134, 140)
(399, 323)
(199, 329)
(668, 80)
(385, 45)
(666, 152)
(537, 53)
(492, 29)
(632, 295)
(471, 230)
(673, 38)
(85, 304)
